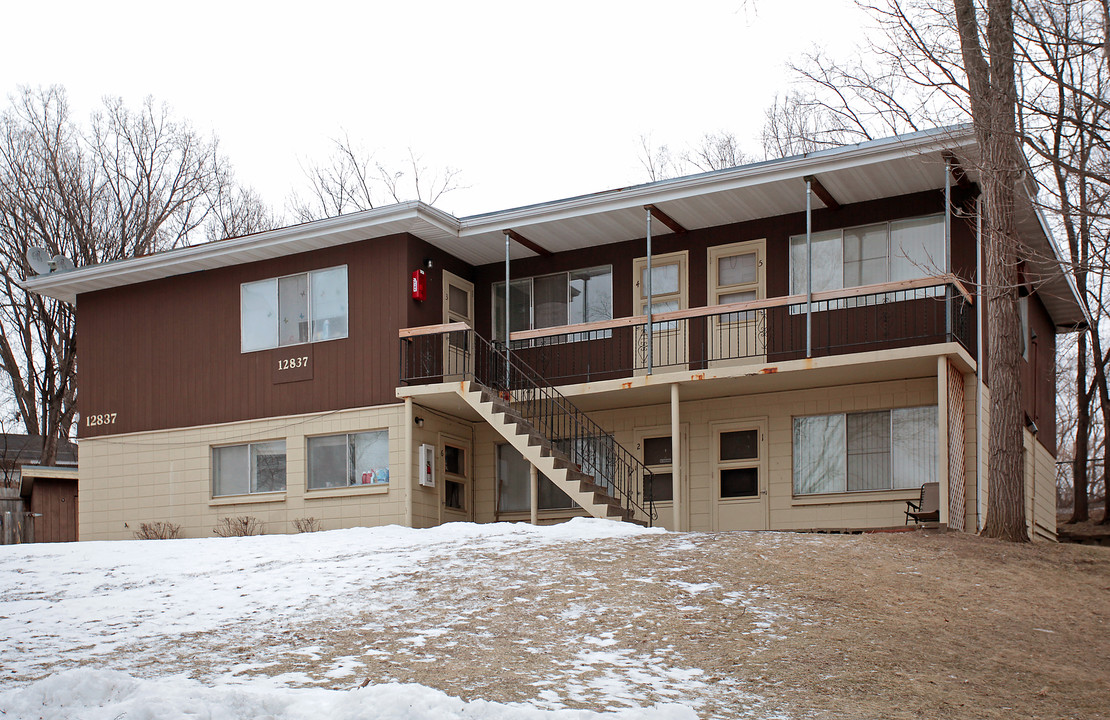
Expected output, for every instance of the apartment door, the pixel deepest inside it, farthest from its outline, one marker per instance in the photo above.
(458, 306)
(669, 339)
(737, 273)
(740, 474)
(457, 492)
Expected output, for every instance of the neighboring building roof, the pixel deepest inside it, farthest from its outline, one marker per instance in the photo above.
(855, 173)
(17, 450)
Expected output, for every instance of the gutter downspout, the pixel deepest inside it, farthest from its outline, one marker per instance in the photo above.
(409, 475)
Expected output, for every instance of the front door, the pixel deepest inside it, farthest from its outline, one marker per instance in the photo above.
(737, 274)
(457, 492)
(740, 475)
(669, 339)
(458, 306)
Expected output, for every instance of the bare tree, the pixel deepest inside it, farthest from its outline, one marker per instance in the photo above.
(716, 151)
(237, 211)
(351, 180)
(131, 183)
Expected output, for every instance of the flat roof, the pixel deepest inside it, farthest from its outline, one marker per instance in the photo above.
(869, 170)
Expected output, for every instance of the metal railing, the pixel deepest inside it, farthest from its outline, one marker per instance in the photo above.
(454, 352)
(878, 317)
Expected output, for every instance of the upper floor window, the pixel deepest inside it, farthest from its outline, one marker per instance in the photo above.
(565, 298)
(307, 307)
(870, 254)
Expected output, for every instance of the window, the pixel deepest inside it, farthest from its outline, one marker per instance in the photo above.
(1023, 316)
(308, 307)
(566, 298)
(251, 468)
(336, 461)
(870, 254)
(513, 485)
(668, 286)
(658, 459)
(854, 452)
(454, 485)
(738, 463)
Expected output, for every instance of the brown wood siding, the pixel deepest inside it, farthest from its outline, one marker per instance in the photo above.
(167, 353)
(1038, 375)
(55, 499)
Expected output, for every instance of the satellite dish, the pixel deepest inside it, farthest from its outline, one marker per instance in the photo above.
(62, 264)
(39, 260)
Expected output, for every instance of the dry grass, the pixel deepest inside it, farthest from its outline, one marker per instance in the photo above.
(905, 625)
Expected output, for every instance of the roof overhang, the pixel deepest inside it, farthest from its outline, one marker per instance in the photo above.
(856, 173)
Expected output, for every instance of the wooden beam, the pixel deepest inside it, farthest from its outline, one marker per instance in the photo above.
(534, 247)
(957, 170)
(665, 219)
(822, 193)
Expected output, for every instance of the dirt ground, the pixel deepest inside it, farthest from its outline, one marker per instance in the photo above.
(762, 625)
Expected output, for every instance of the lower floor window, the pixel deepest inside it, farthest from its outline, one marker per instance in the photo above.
(514, 482)
(852, 452)
(738, 463)
(251, 468)
(348, 460)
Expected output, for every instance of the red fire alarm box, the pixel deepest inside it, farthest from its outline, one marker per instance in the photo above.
(419, 285)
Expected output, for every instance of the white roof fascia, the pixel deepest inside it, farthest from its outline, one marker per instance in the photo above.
(770, 171)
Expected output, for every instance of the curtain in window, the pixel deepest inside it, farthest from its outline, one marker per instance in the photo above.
(292, 309)
(819, 460)
(868, 436)
(917, 248)
(865, 255)
(329, 304)
(327, 462)
(914, 446)
(828, 262)
(231, 470)
(259, 315)
(550, 300)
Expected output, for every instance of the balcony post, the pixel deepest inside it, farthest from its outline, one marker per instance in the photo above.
(650, 322)
(948, 247)
(809, 269)
(507, 312)
(534, 494)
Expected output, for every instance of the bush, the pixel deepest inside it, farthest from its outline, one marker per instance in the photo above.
(306, 525)
(239, 527)
(158, 531)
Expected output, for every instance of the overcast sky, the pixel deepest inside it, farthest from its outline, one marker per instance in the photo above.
(532, 102)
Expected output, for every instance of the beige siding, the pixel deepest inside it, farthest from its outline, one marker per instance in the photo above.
(1040, 490)
(167, 475)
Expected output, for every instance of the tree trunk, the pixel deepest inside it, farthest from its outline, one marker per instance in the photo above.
(993, 95)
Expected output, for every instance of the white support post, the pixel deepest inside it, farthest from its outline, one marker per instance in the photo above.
(676, 459)
(942, 436)
(410, 476)
(647, 290)
(809, 269)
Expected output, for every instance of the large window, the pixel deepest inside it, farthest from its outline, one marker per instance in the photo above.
(336, 461)
(513, 485)
(307, 307)
(870, 254)
(882, 450)
(565, 298)
(252, 468)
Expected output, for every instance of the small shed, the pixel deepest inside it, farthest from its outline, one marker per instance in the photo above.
(37, 503)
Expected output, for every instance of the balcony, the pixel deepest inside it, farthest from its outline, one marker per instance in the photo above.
(905, 322)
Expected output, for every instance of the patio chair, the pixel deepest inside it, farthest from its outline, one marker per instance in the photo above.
(927, 508)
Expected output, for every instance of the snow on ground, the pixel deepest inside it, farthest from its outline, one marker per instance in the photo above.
(224, 627)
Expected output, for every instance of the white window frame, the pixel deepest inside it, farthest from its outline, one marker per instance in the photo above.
(251, 474)
(844, 451)
(497, 294)
(310, 310)
(938, 219)
(350, 480)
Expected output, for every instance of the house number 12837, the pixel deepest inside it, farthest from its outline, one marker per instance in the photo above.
(293, 363)
(105, 419)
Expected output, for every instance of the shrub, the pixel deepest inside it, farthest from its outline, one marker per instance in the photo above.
(158, 531)
(307, 525)
(239, 526)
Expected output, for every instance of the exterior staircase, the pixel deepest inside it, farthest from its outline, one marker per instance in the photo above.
(568, 476)
(545, 427)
